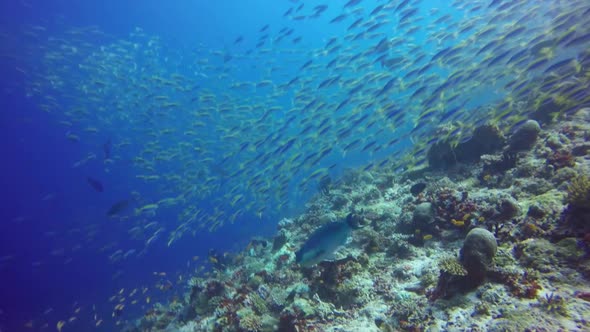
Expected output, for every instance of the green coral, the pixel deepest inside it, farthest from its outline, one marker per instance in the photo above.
(452, 266)
(554, 304)
(249, 321)
(255, 281)
(258, 303)
(429, 278)
(411, 312)
(482, 309)
(578, 192)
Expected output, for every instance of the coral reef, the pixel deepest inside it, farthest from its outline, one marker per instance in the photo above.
(494, 235)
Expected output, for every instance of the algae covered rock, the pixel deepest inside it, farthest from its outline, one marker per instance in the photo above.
(486, 139)
(478, 251)
(545, 256)
(441, 156)
(424, 213)
(538, 254)
(525, 136)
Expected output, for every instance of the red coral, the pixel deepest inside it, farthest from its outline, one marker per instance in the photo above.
(583, 295)
(452, 205)
(282, 260)
(238, 274)
(521, 285)
(294, 322)
(561, 159)
(568, 131)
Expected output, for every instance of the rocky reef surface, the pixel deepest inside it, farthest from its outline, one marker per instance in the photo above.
(494, 235)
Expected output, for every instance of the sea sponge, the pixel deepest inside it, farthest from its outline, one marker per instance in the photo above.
(525, 136)
(478, 251)
(578, 192)
(486, 139)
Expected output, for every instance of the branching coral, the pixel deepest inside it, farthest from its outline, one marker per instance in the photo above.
(554, 304)
(578, 192)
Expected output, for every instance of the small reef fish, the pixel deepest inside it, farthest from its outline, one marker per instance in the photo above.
(325, 241)
(118, 207)
(95, 184)
(60, 325)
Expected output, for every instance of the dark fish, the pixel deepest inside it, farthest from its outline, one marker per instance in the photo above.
(382, 46)
(293, 80)
(494, 3)
(95, 184)
(418, 188)
(535, 65)
(320, 9)
(106, 148)
(118, 207)
(578, 40)
(401, 5)
(408, 13)
(339, 18)
(369, 145)
(331, 42)
(376, 10)
(342, 104)
(351, 3)
(516, 31)
(498, 58)
(386, 87)
(558, 65)
(307, 64)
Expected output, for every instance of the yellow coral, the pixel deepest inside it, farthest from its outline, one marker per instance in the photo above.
(578, 192)
(452, 266)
